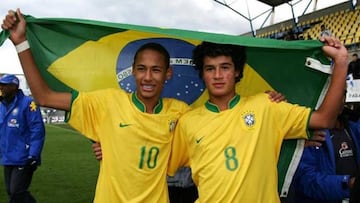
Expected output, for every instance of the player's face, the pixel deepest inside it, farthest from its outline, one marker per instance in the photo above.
(150, 74)
(354, 58)
(219, 77)
(7, 90)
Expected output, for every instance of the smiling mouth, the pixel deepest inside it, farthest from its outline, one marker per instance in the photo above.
(218, 85)
(148, 87)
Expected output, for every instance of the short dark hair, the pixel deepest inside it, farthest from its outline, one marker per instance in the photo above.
(155, 47)
(355, 55)
(236, 52)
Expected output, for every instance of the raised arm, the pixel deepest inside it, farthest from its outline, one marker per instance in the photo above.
(325, 116)
(39, 88)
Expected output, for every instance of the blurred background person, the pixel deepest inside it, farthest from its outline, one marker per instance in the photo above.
(327, 172)
(22, 136)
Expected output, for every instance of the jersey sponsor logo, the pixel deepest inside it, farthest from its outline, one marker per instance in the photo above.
(123, 125)
(198, 140)
(345, 150)
(33, 106)
(13, 123)
(15, 111)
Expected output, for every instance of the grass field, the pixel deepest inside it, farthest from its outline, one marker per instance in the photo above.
(68, 172)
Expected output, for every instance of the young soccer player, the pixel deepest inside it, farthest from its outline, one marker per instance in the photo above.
(234, 145)
(135, 130)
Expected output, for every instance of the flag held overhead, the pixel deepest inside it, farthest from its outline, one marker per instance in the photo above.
(84, 55)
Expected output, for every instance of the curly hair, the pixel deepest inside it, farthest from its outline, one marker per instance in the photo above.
(236, 52)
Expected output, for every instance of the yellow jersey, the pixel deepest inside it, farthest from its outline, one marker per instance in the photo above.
(233, 154)
(135, 145)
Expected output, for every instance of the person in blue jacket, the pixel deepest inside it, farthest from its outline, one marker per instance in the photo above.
(327, 173)
(22, 135)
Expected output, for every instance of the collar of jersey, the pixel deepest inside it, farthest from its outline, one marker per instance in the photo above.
(141, 106)
(212, 107)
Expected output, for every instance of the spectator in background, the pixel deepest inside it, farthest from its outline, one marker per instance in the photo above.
(324, 31)
(354, 66)
(181, 187)
(307, 37)
(290, 35)
(22, 136)
(301, 37)
(327, 173)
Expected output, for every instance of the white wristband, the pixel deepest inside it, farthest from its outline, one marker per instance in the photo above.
(22, 46)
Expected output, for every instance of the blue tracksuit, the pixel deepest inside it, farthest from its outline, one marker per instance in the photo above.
(315, 179)
(22, 131)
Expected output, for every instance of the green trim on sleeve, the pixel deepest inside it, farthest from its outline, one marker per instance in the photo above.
(308, 131)
(74, 95)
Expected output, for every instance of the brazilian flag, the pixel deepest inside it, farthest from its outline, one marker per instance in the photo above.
(87, 55)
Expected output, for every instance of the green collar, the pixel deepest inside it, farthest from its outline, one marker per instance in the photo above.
(140, 105)
(212, 107)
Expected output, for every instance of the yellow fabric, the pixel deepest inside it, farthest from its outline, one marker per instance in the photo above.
(135, 145)
(233, 153)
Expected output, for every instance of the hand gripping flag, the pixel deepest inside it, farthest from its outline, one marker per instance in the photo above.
(87, 55)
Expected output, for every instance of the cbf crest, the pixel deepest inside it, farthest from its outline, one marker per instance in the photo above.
(249, 118)
(172, 125)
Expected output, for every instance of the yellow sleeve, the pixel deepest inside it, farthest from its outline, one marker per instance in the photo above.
(179, 155)
(293, 120)
(85, 115)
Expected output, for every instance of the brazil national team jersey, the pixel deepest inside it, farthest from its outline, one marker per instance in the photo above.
(135, 145)
(233, 154)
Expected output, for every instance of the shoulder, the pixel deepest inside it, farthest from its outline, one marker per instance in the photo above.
(174, 101)
(100, 97)
(195, 114)
(177, 104)
(29, 104)
(260, 98)
(26, 99)
(108, 92)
